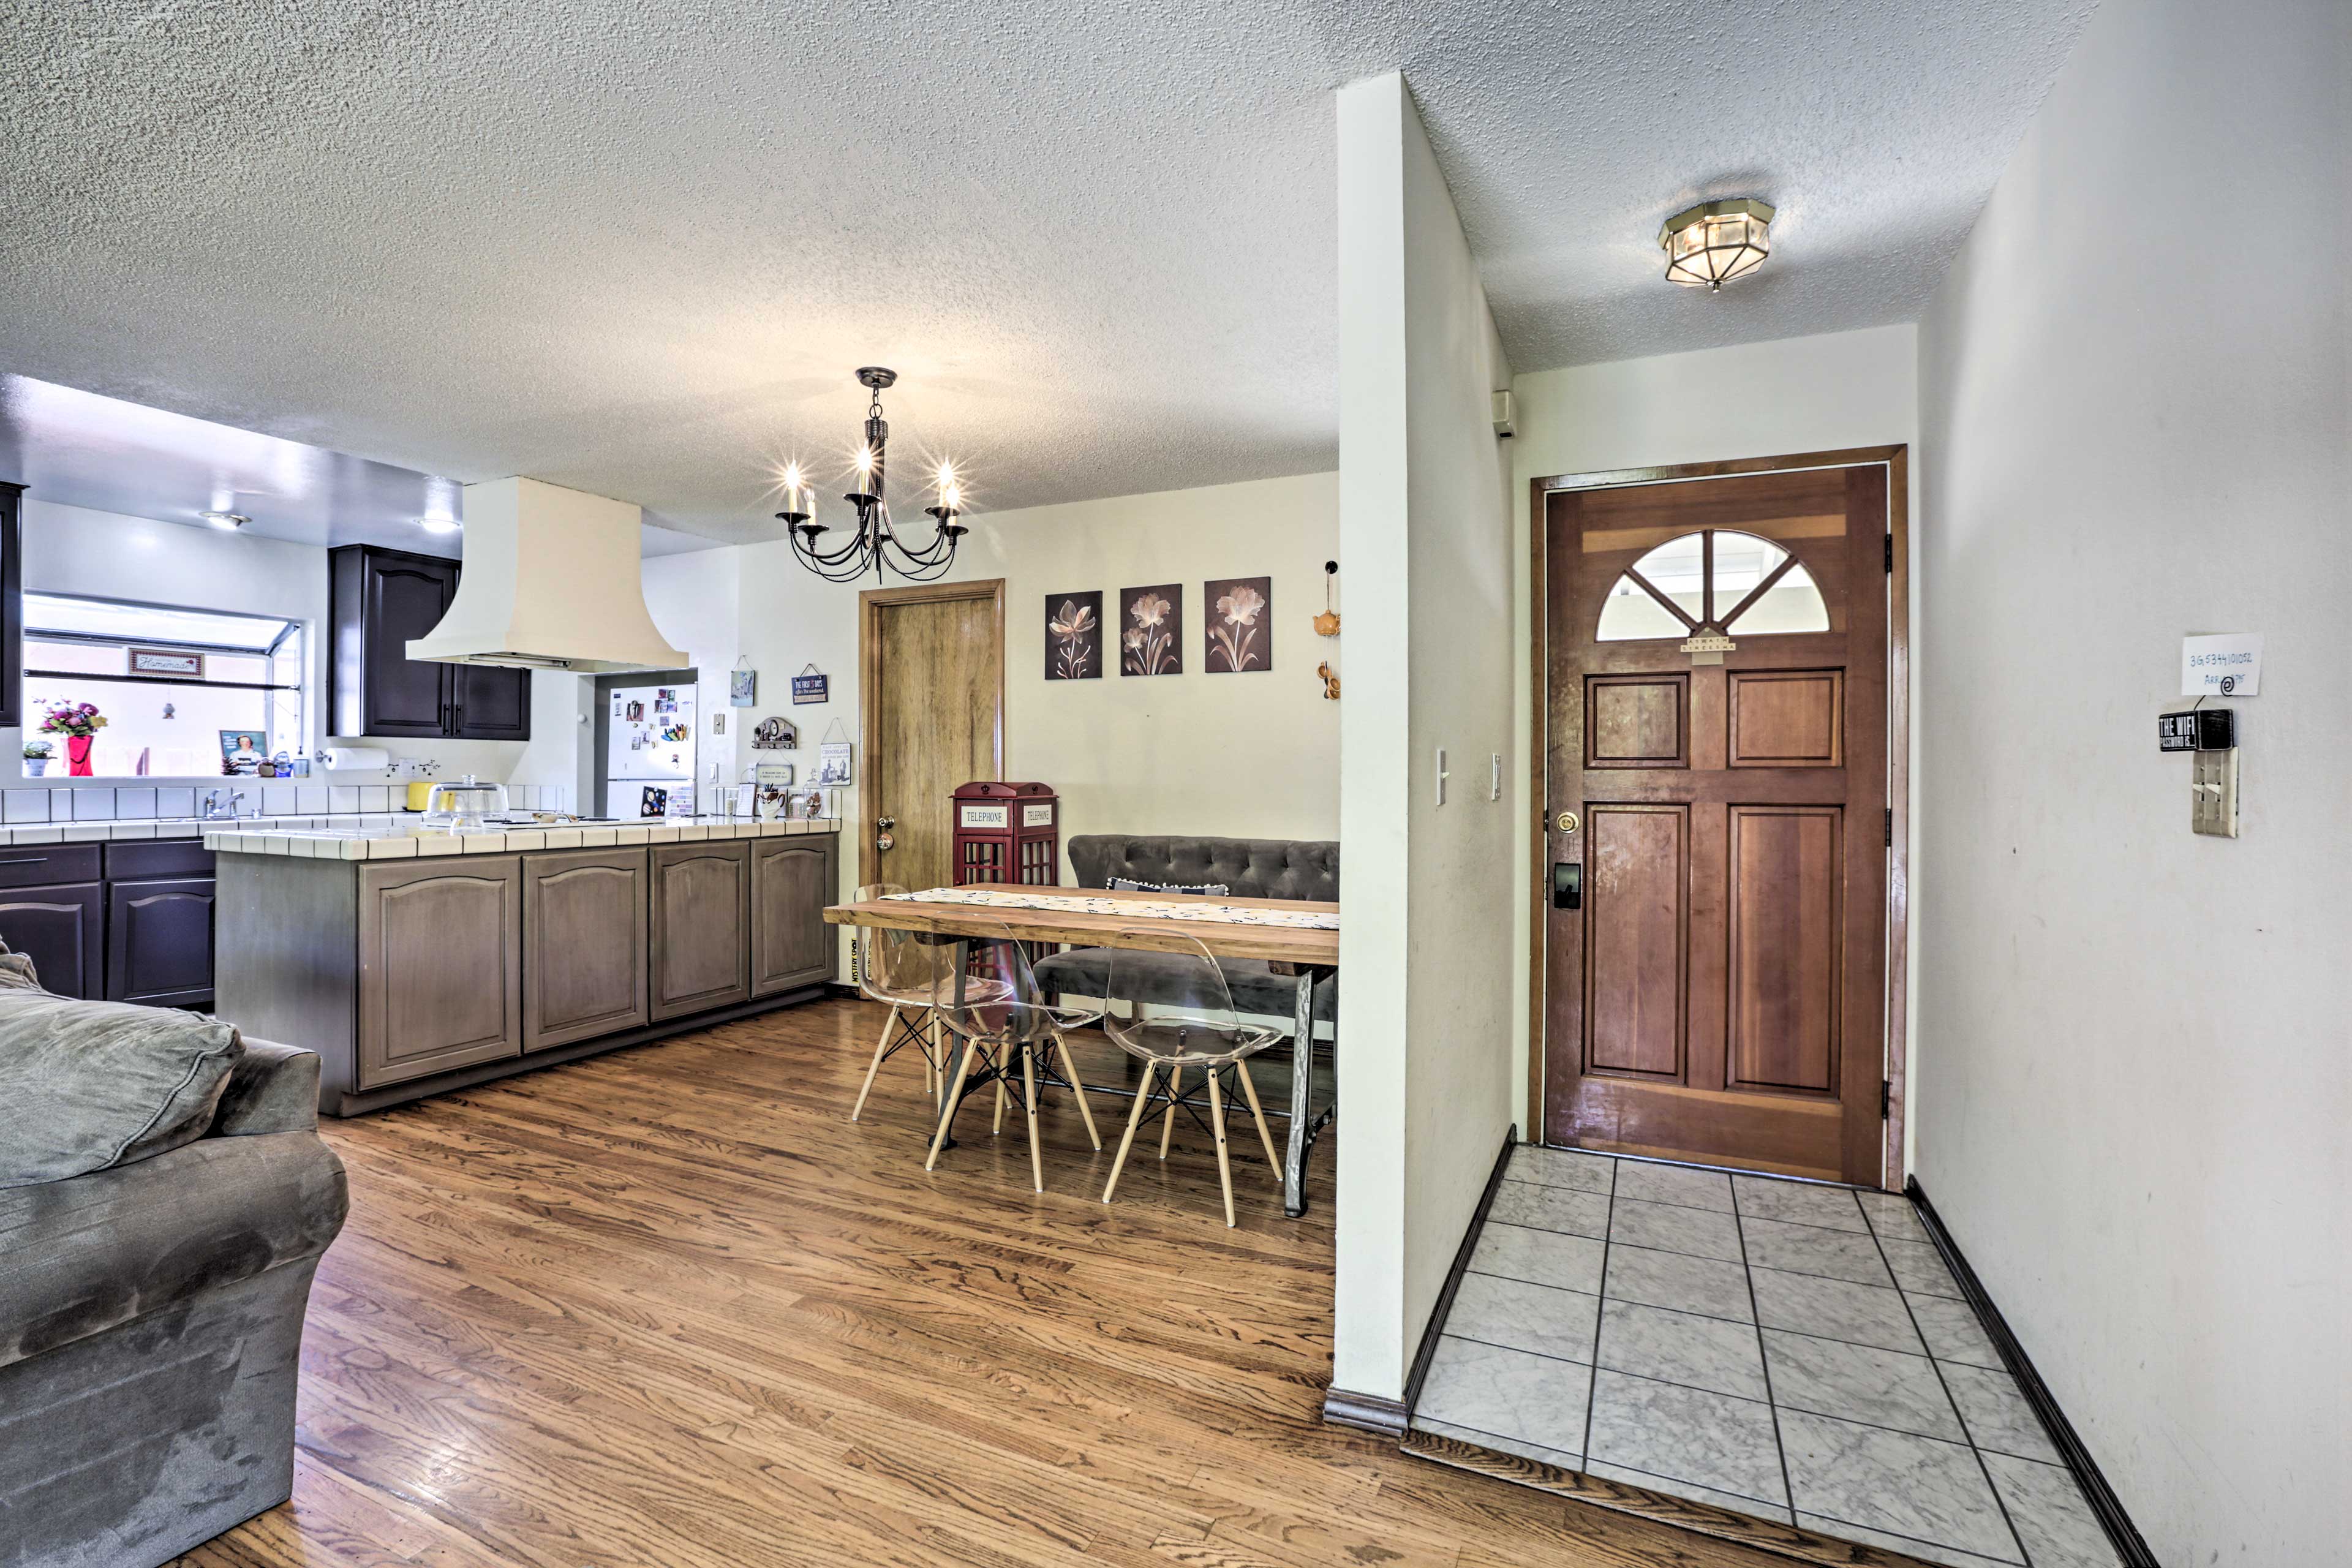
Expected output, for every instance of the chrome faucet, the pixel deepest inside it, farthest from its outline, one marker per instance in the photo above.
(219, 809)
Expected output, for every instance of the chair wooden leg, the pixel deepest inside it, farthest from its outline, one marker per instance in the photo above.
(1167, 1127)
(1029, 1094)
(948, 1108)
(937, 1083)
(1134, 1119)
(1070, 1068)
(881, 1049)
(1258, 1114)
(998, 1129)
(1224, 1163)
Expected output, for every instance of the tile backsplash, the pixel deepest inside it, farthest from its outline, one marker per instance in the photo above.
(145, 803)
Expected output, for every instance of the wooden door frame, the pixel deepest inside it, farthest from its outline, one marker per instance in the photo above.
(870, 604)
(1896, 461)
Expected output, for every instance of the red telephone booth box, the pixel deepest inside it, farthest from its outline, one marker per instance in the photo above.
(1007, 833)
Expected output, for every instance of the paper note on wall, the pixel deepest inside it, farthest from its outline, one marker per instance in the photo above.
(2230, 665)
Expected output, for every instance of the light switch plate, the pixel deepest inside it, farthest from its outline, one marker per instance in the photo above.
(2213, 792)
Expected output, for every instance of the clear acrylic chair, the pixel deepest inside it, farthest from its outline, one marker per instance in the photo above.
(1180, 1015)
(902, 968)
(1001, 1017)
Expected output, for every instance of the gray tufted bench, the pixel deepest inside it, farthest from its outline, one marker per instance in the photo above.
(1249, 867)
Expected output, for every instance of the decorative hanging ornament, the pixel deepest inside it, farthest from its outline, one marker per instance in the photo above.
(1326, 625)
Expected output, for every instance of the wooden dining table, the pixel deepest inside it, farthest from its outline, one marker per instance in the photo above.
(1308, 955)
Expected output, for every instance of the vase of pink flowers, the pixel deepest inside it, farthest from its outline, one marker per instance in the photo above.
(79, 723)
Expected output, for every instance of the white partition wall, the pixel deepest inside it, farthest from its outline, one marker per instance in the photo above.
(2136, 1112)
(1424, 537)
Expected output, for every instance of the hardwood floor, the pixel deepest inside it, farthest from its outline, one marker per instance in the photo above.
(670, 1308)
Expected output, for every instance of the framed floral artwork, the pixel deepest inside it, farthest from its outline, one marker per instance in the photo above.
(1074, 636)
(1151, 630)
(1240, 617)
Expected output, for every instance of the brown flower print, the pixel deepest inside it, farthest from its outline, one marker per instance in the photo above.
(1238, 608)
(1069, 627)
(1151, 643)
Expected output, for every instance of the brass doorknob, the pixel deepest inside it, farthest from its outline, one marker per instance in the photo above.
(1567, 822)
(883, 841)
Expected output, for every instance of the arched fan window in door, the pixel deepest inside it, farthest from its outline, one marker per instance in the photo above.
(1714, 580)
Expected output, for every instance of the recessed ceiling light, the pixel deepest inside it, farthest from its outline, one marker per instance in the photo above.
(224, 518)
(438, 525)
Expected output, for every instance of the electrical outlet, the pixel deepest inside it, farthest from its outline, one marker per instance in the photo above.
(2213, 794)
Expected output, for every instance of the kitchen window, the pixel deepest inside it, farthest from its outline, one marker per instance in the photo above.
(182, 690)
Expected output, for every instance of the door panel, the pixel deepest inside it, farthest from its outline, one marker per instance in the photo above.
(933, 706)
(491, 704)
(1637, 919)
(58, 929)
(159, 941)
(1783, 899)
(1636, 721)
(791, 885)
(584, 924)
(701, 908)
(404, 600)
(1787, 718)
(440, 967)
(1720, 993)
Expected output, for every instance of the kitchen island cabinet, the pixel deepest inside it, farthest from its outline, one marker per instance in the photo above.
(450, 961)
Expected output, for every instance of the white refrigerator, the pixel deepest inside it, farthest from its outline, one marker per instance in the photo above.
(649, 752)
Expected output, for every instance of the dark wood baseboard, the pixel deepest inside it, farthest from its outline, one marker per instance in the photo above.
(365, 1101)
(2129, 1544)
(1365, 1412)
(1435, 1330)
(1761, 1534)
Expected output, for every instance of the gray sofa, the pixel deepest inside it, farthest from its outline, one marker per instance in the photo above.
(1247, 868)
(151, 1326)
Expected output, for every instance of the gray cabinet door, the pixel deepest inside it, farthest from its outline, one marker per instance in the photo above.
(701, 920)
(791, 882)
(440, 965)
(584, 962)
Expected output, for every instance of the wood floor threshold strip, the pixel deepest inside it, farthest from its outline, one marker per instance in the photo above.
(1785, 1541)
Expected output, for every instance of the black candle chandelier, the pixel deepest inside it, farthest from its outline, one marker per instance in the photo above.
(874, 546)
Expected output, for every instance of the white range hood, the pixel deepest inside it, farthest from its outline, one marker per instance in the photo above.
(553, 580)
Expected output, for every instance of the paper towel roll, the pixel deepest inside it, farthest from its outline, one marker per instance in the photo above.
(356, 759)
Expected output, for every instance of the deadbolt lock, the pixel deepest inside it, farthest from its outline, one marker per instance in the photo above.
(1567, 822)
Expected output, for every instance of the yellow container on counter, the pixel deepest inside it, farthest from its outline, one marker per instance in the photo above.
(418, 790)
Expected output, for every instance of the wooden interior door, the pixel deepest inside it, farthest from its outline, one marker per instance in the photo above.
(932, 704)
(1717, 786)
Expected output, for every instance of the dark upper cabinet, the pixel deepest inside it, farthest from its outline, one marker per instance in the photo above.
(12, 608)
(378, 600)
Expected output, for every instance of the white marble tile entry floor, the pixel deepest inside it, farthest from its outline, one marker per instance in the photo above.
(1787, 1350)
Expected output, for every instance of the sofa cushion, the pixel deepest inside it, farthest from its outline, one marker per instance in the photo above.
(1252, 867)
(85, 1085)
(1160, 977)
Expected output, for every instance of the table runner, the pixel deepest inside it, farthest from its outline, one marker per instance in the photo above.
(1143, 908)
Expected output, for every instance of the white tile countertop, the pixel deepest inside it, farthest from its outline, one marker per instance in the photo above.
(403, 837)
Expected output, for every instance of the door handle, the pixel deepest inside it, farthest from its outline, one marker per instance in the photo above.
(1566, 885)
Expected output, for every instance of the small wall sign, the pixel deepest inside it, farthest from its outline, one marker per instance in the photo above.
(831, 763)
(774, 734)
(809, 686)
(167, 661)
(2230, 665)
(741, 686)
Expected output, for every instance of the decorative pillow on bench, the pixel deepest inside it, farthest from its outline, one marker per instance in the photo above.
(1211, 890)
(88, 1085)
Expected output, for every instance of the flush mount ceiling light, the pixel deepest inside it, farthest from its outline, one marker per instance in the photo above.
(874, 546)
(437, 524)
(224, 518)
(1711, 244)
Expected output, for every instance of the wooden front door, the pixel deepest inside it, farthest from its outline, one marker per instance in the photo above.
(932, 661)
(1716, 789)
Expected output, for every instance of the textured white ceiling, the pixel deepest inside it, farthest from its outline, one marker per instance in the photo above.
(638, 248)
